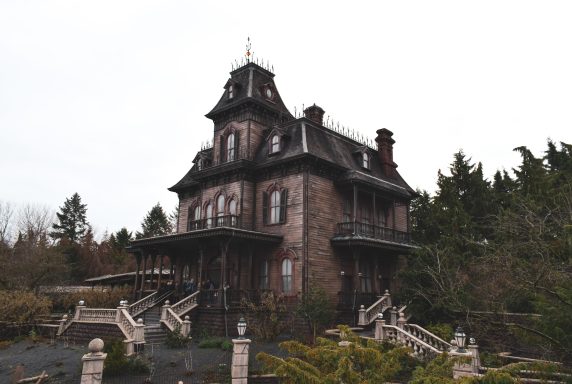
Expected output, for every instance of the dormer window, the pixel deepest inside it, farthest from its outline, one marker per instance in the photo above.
(365, 160)
(231, 151)
(275, 144)
(230, 91)
(200, 164)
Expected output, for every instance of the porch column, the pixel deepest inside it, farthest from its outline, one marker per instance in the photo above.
(201, 263)
(376, 281)
(374, 219)
(153, 258)
(143, 275)
(160, 273)
(250, 272)
(357, 282)
(223, 255)
(239, 267)
(180, 270)
(355, 206)
(138, 262)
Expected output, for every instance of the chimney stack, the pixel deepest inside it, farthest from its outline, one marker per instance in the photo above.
(315, 114)
(385, 151)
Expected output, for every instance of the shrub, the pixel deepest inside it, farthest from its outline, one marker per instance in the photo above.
(94, 299)
(264, 317)
(216, 342)
(117, 363)
(443, 330)
(22, 307)
(317, 309)
(175, 339)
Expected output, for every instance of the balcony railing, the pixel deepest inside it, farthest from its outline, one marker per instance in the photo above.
(357, 228)
(227, 158)
(214, 222)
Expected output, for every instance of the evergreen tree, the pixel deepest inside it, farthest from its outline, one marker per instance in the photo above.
(155, 223)
(72, 220)
(120, 239)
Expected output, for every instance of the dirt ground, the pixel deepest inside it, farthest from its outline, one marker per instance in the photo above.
(62, 362)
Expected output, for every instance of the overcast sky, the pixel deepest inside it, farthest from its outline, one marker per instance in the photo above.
(107, 98)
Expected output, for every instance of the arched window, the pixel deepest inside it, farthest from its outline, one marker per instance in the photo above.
(230, 150)
(275, 207)
(232, 212)
(275, 144)
(263, 283)
(286, 276)
(220, 210)
(195, 218)
(209, 215)
(365, 158)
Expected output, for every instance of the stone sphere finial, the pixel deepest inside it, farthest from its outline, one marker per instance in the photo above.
(387, 291)
(472, 341)
(361, 307)
(187, 318)
(167, 302)
(95, 346)
(65, 317)
(81, 302)
(140, 321)
(401, 315)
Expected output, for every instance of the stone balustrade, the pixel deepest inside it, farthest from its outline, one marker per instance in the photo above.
(428, 337)
(141, 305)
(369, 315)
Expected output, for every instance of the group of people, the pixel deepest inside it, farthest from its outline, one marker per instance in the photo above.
(190, 286)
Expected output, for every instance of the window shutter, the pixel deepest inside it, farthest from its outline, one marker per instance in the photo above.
(222, 151)
(264, 207)
(283, 199)
(236, 145)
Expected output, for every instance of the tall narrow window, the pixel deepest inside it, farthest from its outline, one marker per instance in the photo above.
(231, 154)
(220, 210)
(232, 212)
(275, 144)
(365, 276)
(365, 158)
(263, 283)
(197, 217)
(209, 215)
(230, 91)
(347, 213)
(275, 207)
(286, 276)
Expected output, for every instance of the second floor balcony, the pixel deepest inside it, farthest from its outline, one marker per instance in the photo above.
(232, 221)
(367, 230)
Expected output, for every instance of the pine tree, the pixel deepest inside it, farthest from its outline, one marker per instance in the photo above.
(155, 223)
(72, 219)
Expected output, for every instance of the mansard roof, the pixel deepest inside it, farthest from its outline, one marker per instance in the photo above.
(250, 84)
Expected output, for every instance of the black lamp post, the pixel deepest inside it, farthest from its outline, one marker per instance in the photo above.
(460, 338)
(241, 326)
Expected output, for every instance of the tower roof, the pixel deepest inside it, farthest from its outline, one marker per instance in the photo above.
(250, 83)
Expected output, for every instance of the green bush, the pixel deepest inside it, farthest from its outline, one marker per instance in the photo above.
(443, 330)
(216, 342)
(117, 363)
(175, 339)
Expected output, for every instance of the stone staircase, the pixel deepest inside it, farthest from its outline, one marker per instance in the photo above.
(154, 331)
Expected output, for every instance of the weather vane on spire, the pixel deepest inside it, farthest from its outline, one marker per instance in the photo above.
(248, 53)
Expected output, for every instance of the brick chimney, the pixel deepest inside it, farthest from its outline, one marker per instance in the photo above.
(315, 114)
(385, 151)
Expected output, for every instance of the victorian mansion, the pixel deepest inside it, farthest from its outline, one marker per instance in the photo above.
(283, 203)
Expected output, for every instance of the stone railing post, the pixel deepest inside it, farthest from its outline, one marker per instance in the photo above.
(139, 336)
(119, 308)
(361, 316)
(388, 300)
(239, 369)
(186, 328)
(81, 305)
(393, 316)
(92, 371)
(164, 310)
(401, 321)
(476, 360)
(62, 326)
(379, 329)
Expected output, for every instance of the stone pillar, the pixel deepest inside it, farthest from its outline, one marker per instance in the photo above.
(361, 316)
(164, 310)
(462, 369)
(393, 316)
(239, 369)
(388, 300)
(401, 321)
(92, 371)
(186, 328)
(476, 360)
(139, 336)
(62, 326)
(379, 335)
(81, 305)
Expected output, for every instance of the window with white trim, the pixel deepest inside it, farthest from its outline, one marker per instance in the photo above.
(232, 212)
(220, 210)
(230, 91)
(365, 160)
(274, 206)
(230, 149)
(275, 144)
(209, 215)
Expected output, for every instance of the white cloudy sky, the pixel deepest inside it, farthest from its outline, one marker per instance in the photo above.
(107, 98)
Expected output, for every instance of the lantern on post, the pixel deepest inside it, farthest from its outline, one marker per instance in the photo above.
(241, 326)
(460, 338)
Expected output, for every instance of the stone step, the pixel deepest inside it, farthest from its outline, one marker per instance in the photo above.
(155, 334)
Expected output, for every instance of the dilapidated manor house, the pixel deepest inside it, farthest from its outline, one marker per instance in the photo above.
(282, 202)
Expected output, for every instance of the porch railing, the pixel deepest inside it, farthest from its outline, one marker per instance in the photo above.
(369, 315)
(214, 222)
(428, 337)
(358, 228)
